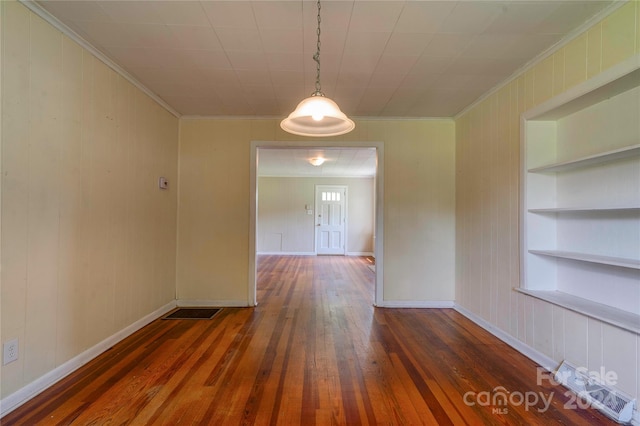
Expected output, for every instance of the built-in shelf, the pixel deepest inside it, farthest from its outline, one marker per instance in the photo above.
(586, 209)
(607, 314)
(603, 157)
(592, 258)
(581, 195)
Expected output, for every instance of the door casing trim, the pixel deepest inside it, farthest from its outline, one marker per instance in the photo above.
(379, 206)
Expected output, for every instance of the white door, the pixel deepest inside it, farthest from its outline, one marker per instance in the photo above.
(331, 219)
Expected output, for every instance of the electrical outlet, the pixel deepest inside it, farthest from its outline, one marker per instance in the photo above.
(9, 351)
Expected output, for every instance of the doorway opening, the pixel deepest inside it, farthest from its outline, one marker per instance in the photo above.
(267, 147)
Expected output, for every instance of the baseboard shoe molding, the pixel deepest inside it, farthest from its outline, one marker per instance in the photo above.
(286, 253)
(208, 303)
(541, 359)
(428, 304)
(29, 391)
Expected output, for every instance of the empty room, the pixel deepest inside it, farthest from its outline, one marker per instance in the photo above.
(305, 212)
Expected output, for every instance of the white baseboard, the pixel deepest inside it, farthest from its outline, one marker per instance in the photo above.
(430, 304)
(286, 253)
(191, 303)
(538, 357)
(541, 359)
(24, 394)
(360, 253)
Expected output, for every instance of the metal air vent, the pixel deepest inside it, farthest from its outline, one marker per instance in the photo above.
(604, 398)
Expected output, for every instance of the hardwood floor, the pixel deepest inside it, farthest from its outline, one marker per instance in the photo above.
(314, 351)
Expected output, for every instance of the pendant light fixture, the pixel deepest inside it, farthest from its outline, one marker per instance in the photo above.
(317, 115)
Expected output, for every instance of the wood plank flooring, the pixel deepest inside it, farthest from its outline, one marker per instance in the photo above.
(313, 352)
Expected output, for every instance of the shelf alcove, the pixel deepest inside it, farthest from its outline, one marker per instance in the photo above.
(580, 208)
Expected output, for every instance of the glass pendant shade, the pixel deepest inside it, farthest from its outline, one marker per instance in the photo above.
(317, 115)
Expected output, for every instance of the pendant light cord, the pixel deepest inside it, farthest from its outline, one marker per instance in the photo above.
(316, 58)
(308, 119)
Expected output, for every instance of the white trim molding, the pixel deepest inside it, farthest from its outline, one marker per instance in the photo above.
(536, 356)
(428, 304)
(209, 303)
(286, 253)
(319, 176)
(34, 7)
(273, 117)
(359, 253)
(615, 5)
(541, 359)
(24, 394)
(379, 205)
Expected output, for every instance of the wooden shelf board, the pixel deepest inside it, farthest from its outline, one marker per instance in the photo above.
(616, 317)
(586, 209)
(592, 258)
(618, 79)
(603, 157)
(612, 82)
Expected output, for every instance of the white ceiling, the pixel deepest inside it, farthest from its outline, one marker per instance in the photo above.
(378, 58)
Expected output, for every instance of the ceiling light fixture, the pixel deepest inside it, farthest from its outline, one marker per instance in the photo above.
(317, 161)
(317, 115)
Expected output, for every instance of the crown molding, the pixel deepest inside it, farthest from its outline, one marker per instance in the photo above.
(299, 176)
(272, 117)
(44, 14)
(34, 7)
(546, 53)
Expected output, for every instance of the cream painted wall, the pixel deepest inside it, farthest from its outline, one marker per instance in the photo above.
(285, 226)
(213, 218)
(487, 208)
(88, 239)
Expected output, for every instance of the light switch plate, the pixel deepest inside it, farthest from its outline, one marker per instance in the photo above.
(163, 183)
